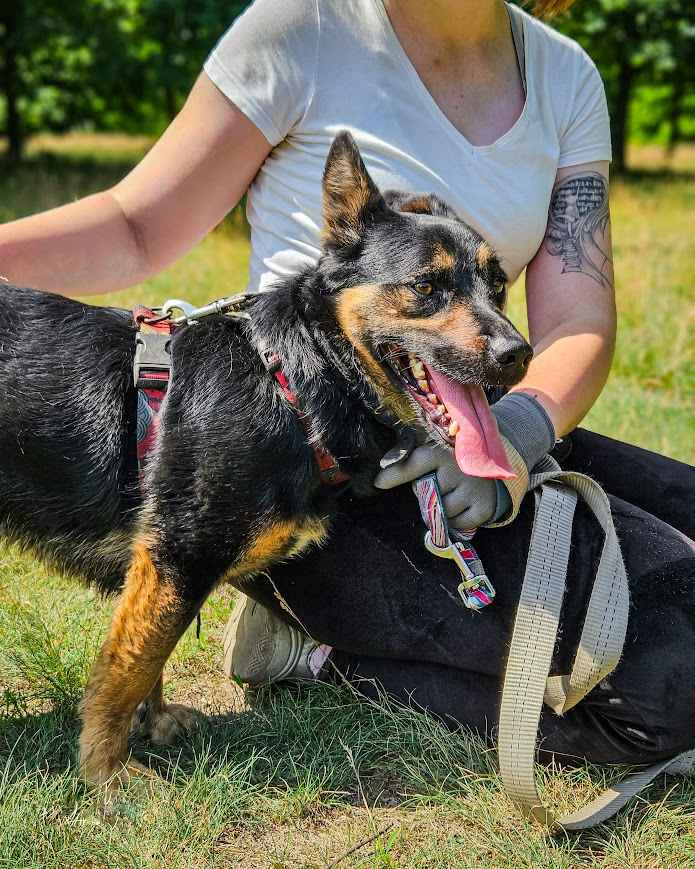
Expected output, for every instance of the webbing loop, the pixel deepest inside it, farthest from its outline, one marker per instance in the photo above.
(527, 683)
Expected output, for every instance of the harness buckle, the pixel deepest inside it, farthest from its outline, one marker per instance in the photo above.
(151, 358)
(271, 360)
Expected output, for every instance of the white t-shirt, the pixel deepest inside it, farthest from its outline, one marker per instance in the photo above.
(302, 70)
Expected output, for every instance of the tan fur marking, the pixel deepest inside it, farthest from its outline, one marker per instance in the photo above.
(145, 627)
(442, 259)
(458, 324)
(352, 310)
(483, 254)
(279, 540)
(362, 304)
(417, 205)
(346, 193)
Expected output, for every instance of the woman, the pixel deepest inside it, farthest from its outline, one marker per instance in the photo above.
(506, 120)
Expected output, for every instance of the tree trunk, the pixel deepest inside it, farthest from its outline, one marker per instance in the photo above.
(622, 112)
(674, 114)
(9, 82)
(170, 102)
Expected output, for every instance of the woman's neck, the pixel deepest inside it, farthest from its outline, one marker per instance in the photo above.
(452, 22)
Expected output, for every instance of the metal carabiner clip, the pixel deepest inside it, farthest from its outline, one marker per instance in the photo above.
(475, 589)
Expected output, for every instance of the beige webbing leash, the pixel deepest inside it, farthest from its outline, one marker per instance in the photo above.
(527, 683)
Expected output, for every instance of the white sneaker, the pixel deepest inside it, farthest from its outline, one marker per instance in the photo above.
(260, 648)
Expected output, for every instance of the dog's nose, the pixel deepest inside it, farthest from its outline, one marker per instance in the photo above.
(511, 354)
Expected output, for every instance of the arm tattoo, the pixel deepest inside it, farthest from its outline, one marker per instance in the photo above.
(577, 220)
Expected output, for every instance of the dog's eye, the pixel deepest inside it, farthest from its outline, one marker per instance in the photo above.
(424, 288)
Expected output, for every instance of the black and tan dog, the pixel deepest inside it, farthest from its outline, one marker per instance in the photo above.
(402, 314)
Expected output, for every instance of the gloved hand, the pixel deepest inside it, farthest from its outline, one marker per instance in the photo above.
(468, 501)
(473, 501)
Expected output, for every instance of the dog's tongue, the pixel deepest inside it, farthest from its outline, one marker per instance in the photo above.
(478, 449)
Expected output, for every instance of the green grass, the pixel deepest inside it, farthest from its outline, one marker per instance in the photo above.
(295, 777)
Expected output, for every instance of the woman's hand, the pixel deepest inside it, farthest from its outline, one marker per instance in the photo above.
(473, 501)
(182, 188)
(468, 501)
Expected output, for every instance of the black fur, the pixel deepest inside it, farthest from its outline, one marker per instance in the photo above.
(231, 451)
(232, 485)
(231, 446)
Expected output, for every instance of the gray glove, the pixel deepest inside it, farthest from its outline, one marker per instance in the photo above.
(473, 501)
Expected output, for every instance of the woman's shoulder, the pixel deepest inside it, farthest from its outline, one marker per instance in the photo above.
(568, 92)
(272, 19)
(265, 63)
(558, 50)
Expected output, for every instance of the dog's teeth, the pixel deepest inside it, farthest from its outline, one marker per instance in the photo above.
(436, 415)
(441, 408)
(433, 398)
(453, 429)
(418, 369)
(424, 385)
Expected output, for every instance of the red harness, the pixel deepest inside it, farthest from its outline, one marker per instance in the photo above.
(152, 373)
(329, 469)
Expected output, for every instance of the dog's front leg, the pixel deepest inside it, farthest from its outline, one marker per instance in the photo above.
(150, 618)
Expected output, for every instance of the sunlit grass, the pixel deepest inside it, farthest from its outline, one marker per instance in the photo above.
(299, 777)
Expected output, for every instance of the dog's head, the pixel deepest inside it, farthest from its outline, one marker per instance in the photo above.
(420, 296)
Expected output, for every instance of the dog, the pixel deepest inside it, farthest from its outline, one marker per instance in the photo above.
(400, 323)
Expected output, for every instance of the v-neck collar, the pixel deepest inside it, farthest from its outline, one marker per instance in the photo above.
(434, 108)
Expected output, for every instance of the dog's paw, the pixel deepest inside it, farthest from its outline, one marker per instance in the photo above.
(171, 723)
(138, 723)
(111, 776)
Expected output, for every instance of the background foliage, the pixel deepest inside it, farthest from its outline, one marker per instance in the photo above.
(127, 64)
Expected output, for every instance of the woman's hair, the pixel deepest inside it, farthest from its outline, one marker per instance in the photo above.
(548, 8)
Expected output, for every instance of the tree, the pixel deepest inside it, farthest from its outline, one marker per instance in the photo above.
(113, 64)
(54, 57)
(638, 44)
(173, 38)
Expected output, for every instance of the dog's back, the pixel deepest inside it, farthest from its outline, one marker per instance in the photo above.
(67, 413)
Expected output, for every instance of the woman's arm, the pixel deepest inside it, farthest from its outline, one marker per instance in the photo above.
(195, 173)
(570, 298)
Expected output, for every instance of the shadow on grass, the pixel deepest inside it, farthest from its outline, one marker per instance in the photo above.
(321, 737)
(74, 162)
(661, 174)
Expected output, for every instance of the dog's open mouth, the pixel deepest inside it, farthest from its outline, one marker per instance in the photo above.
(458, 412)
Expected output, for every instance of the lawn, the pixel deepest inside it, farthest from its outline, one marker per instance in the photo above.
(298, 777)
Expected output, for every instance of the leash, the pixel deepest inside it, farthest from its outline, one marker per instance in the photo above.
(475, 589)
(527, 683)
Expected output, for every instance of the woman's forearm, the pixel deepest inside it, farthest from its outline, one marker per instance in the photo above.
(181, 189)
(569, 370)
(88, 246)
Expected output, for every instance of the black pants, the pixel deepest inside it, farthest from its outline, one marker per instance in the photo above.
(392, 613)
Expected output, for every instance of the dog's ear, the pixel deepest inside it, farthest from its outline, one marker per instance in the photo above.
(423, 203)
(350, 197)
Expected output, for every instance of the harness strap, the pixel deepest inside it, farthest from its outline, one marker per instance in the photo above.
(329, 469)
(151, 376)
